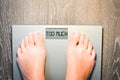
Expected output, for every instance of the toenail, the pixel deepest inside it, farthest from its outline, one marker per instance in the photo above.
(29, 33)
(40, 33)
(75, 34)
(36, 34)
(82, 32)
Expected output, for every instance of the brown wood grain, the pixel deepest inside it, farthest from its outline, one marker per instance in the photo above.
(98, 12)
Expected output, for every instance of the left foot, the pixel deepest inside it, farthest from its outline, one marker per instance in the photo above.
(31, 57)
(80, 57)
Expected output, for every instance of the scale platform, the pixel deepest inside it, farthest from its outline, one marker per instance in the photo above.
(56, 42)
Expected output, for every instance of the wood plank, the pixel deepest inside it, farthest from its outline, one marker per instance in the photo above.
(110, 20)
(116, 50)
(98, 12)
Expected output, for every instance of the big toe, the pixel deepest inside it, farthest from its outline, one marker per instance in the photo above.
(74, 39)
(38, 39)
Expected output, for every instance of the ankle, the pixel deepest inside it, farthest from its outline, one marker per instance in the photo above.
(36, 77)
(70, 75)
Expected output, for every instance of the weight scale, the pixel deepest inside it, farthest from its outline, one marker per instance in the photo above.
(56, 42)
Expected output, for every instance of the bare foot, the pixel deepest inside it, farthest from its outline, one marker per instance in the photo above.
(31, 57)
(80, 57)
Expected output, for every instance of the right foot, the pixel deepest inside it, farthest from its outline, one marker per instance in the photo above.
(80, 57)
(31, 57)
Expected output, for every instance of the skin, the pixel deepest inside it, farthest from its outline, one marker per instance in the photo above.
(80, 57)
(31, 57)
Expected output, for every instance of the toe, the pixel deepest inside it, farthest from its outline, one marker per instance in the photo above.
(38, 39)
(74, 39)
(86, 43)
(93, 54)
(90, 48)
(19, 52)
(22, 46)
(81, 41)
(26, 41)
(30, 39)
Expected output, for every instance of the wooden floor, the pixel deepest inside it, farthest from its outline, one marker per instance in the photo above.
(98, 12)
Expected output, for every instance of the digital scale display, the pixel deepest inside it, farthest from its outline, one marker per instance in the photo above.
(56, 33)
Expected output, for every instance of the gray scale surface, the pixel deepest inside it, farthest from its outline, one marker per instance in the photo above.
(56, 42)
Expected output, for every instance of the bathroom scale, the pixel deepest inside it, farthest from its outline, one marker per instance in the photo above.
(56, 42)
